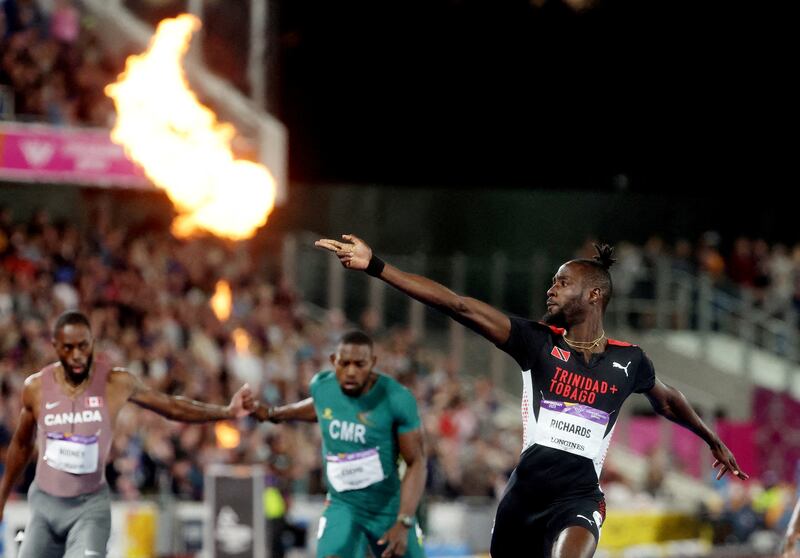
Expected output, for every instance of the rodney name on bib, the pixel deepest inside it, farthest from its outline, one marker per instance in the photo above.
(71, 453)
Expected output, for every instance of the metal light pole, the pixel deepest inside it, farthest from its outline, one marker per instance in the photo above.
(257, 57)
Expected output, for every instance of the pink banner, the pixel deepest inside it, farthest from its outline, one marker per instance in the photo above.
(688, 451)
(41, 153)
(644, 434)
(777, 434)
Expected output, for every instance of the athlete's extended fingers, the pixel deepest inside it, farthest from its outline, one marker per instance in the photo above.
(722, 471)
(353, 238)
(391, 550)
(717, 463)
(737, 470)
(328, 244)
(742, 475)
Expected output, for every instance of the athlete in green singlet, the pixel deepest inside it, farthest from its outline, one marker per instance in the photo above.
(367, 419)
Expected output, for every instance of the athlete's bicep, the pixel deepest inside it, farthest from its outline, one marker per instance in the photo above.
(143, 395)
(412, 446)
(26, 427)
(660, 396)
(485, 319)
(25, 433)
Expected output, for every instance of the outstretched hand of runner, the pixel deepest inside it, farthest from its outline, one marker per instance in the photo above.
(396, 541)
(354, 253)
(242, 403)
(726, 461)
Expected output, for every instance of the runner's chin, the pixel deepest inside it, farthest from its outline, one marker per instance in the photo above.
(351, 389)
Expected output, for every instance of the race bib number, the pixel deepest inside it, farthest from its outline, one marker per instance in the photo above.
(72, 454)
(571, 427)
(351, 471)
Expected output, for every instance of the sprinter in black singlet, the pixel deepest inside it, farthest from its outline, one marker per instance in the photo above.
(575, 380)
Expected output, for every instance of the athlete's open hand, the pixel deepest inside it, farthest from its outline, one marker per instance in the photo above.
(726, 461)
(353, 253)
(396, 541)
(242, 403)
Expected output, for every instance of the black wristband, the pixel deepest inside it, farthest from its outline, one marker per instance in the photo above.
(375, 266)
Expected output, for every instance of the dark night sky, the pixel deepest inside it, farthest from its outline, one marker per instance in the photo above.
(504, 94)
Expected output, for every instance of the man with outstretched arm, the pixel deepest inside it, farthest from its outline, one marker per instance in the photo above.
(70, 407)
(366, 420)
(575, 380)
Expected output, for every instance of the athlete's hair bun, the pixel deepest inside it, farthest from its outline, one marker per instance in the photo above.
(605, 255)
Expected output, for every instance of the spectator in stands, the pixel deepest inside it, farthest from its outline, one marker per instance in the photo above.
(65, 22)
(741, 263)
(709, 259)
(54, 68)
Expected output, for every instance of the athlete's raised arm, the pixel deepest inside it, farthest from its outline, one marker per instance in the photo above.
(482, 318)
(22, 443)
(672, 404)
(176, 407)
(302, 410)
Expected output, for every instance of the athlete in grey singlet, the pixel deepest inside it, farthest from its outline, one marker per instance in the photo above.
(71, 407)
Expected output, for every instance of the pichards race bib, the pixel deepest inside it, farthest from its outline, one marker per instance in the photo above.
(351, 471)
(571, 427)
(72, 454)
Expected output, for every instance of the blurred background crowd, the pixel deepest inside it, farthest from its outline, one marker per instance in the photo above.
(147, 295)
(148, 298)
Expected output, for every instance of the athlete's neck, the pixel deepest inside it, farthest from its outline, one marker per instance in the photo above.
(373, 377)
(74, 382)
(587, 331)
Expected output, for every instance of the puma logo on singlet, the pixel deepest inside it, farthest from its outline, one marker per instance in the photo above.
(623, 368)
(586, 518)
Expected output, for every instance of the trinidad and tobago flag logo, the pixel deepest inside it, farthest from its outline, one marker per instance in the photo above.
(560, 354)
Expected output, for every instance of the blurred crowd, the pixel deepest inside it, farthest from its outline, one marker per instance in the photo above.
(147, 296)
(52, 68)
(770, 273)
(752, 514)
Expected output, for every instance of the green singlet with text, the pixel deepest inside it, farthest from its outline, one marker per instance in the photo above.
(360, 455)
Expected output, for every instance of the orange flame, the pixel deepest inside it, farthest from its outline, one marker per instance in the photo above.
(241, 340)
(227, 435)
(221, 301)
(181, 146)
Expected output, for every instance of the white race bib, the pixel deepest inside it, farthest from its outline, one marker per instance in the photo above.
(571, 427)
(72, 454)
(351, 471)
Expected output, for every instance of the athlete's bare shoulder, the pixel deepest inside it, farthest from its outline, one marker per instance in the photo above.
(34, 381)
(121, 382)
(32, 392)
(118, 373)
